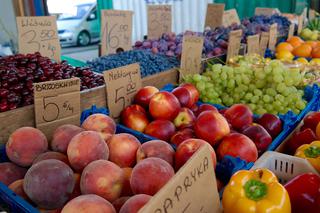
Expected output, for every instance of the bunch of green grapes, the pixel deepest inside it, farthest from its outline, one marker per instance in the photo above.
(271, 88)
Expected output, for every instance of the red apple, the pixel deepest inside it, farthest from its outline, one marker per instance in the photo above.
(259, 136)
(211, 126)
(299, 138)
(193, 90)
(135, 117)
(186, 149)
(161, 129)
(184, 96)
(271, 123)
(239, 116)
(181, 136)
(238, 145)
(164, 105)
(144, 95)
(206, 107)
(184, 119)
(311, 120)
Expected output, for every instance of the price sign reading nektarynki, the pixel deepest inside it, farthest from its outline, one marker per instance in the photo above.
(214, 15)
(191, 55)
(57, 103)
(39, 34)
(116, 31)
(234, 43)
(159, 20)
(122, 84)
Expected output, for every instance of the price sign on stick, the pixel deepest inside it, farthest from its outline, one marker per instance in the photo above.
(253, 44)
(273, 36)
(39, 34)
(191, 55)
(291, 30)
(122, 84)
(116, 31)
(234, 43)
(57, 103)
(230, 17)
(264, 40)
(159, 20)
(266, 11)
(214, 15)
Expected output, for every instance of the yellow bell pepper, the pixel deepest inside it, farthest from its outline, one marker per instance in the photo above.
(311, 152)
(255, 191)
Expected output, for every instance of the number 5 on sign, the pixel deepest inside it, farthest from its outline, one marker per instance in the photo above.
(121, 84)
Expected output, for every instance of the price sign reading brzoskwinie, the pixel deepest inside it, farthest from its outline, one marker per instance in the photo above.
(191, 55)
(121, 84)
(159, 20)
(39, 34)
(57, 103)
(214, 15)
(116, 31)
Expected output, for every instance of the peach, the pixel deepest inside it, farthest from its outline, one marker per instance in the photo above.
(123, 148)
(25, 144)
(87, 204)
(51, 155)
(150, 175)
(10, 172)
(86, 147)
(49, 183)
(158, 149)
(100, 123)
(102, 178)
(118, 203)
(126, 190)
(17, 187)
(62, 137)
(135, 203)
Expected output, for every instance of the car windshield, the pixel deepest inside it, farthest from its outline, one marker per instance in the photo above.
(77, 13)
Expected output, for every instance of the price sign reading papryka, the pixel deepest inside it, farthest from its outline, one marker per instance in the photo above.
(253, 44)
(273, 36)
(116, 31)
(57, 103)
(122, 84)
(230, 17)
(214, 15)
(234, 43)
(159, 20)
(191, 55)
(39, 34)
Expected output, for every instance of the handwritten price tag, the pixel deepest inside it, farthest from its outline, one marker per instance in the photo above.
(264, 40)
(122, 84)
(273, 36)
(214, 15)
(191, 55)
(159, 20)
(116, 31)
(230, 17)
(266, 11)
(39, 34)
(57, 103)
(291, 30)
(234, 43)
(253, 44)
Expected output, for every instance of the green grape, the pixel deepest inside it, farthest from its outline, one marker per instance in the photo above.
(260, 84)
(197, 77)
(238, 79)
(255, 99)
(217, 68)
(269, 108)
(261, 111)
(248, 96)
(301, 105)
(288, 82)
(267, 69)
(278, 78)
(271, 92)
(270, 79)
(296, 111)
(245, 79)
(252, 106)
(231, 83)
(281, 87)
(260, 75)
(266, 98)
(286, 92)
(257, 92)
(224, 76)
(201, 86)
(251, 87)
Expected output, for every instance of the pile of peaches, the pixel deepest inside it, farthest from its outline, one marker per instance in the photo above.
(90, 168)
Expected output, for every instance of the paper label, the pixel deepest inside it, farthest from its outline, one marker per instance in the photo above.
(234, 43)
(57, 103)
(214, 17)
(192, 189)
(122, 84)
(273, 36)
(264, 40)
(116, 31)
(266, 11)
(253, 46)
(291, 30)
(159, 20)
(39, 34)
(191, 55)
(230, 17)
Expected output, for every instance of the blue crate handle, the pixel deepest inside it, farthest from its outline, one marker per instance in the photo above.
(93, 110)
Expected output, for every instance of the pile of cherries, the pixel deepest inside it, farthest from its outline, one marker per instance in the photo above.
(19, 72)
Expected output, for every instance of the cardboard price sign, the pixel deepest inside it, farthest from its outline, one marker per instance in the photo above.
(57, 103)
(116, 31)
(253, 44)
(39, 34)
(291, 30)
(234, 43)
(192, 189)
(264, 40)
(191, 55)
(230, 17)
(266, 11)
(273, 36)
(214, 17)
(301, 20)
(159, 20)
(122, 84)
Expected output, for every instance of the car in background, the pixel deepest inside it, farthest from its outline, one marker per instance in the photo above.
(80, 28)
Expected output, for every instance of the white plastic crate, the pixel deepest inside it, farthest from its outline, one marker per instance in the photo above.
(285, 167)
